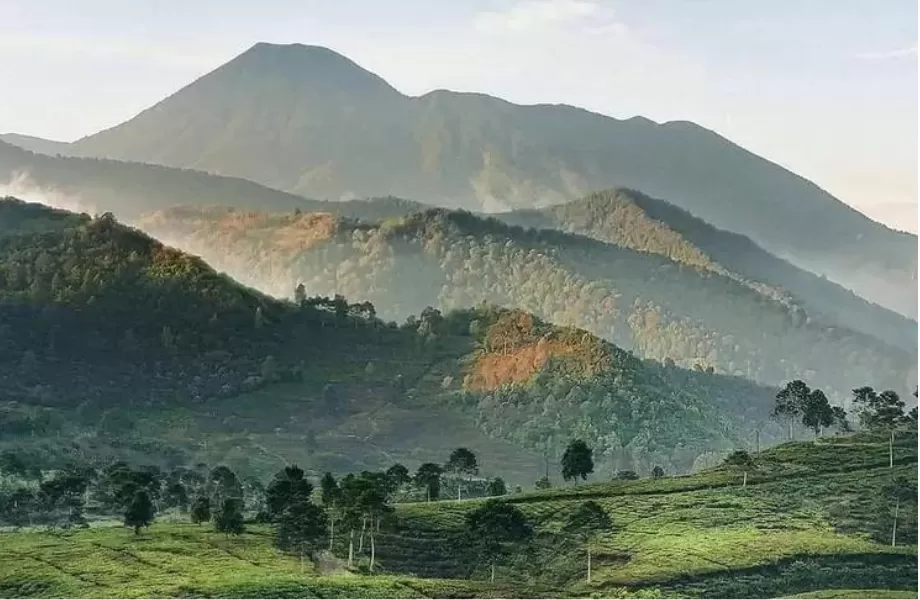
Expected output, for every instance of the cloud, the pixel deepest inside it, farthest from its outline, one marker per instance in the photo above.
(889, 54)
(539, 15)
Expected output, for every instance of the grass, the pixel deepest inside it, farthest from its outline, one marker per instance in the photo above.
(182, 560)
(802, 523)
(857, 594)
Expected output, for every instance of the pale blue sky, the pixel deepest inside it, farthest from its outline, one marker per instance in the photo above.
(827, 88)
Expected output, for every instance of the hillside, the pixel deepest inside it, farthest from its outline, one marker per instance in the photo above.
(121, 345)
(622, 217)
(662, 309)
(307, 120)
(630, 218)
(809, 521)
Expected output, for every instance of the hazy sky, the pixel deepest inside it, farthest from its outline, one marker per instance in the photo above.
(827, 88)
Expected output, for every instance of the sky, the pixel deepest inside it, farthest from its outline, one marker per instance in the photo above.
(826, 88)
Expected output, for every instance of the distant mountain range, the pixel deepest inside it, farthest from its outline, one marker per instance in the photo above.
(309, 121)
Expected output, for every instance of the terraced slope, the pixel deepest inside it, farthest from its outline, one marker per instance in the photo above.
(805, 521)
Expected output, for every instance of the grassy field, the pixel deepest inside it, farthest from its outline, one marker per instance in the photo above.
(800, 526)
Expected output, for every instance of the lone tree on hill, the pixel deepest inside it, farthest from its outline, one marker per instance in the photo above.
(229, 520)
(140, 511)
(201, 510)
(302, 527)
(588, 522)
(577, 461)
(494, 528)
(462, 462)
(657, 472)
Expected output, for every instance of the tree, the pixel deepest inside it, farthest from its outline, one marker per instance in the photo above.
(287, 485)
(497, 487)
(881, 413)
(586, 523)
(790, 403)
(223, 484)
(741, 460)
(176, 496)
(462, 462)
(397, 476)
(577, 461)
(494, 528)
(817, 412)
(140, 511)
(201, 510)
(229, 519)
(302, 527)
(332, 500)
(428, 477)
(900, 492)
(366, 496)
(543, 483)
(657, 472)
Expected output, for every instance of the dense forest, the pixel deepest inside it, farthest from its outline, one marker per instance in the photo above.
(118, 340)
(669, 311)
(631, 219)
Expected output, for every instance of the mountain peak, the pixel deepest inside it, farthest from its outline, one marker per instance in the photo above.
(314, 65)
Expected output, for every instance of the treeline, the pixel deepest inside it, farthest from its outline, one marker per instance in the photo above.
(661, 309)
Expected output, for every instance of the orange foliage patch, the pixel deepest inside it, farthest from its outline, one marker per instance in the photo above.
(494, 369)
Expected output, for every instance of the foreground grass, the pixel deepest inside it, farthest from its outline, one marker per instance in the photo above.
(857, 594)
(802, 523)
(182, 560)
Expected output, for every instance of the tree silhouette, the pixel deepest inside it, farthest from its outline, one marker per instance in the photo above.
(577, 461)
(201, 510)
(428, 477)
(288, 484)
(229, 519)
(302, 527)
(140, 511)
(462, 461)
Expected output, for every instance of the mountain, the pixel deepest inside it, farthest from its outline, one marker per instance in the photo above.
(307, 120)
(36, 144)
(129, 190)
(631, 219)
(115, 344)
(660, 308)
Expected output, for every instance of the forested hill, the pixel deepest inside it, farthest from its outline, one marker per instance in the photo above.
(310, 121)
(621, 217)
(120, 345)
(646, 302)
(630, 218)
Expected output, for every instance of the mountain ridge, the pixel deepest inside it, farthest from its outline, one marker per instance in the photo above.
(474, 151)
